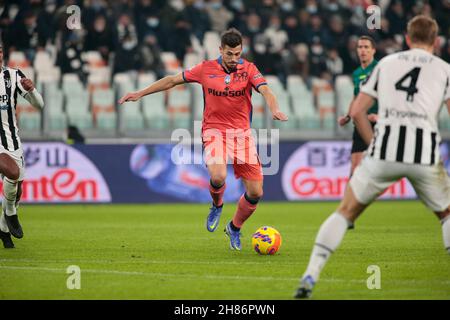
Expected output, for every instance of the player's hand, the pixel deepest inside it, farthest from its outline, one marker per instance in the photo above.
(278, 115)
(373, 117)
(131, 96)
(343, 120)
(27, 84)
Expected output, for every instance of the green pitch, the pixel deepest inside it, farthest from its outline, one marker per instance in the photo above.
(165, 252)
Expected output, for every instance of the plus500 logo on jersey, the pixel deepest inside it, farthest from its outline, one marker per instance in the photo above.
(3, 99)
(3, 102)
(230, 93)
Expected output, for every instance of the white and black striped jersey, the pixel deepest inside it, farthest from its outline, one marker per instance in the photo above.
(411, 87)
(9, 88)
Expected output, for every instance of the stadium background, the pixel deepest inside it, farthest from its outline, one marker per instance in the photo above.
(306, 50)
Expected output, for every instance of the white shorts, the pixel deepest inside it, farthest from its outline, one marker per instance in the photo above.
(373, 176)
(18, 158)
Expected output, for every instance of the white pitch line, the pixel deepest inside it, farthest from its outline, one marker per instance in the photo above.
(215, 277)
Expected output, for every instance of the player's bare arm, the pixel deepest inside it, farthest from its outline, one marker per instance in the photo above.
(358, 112)
(271, 101)
(448, 105)
(163, 84)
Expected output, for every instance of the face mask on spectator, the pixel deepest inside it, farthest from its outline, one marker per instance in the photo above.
(216, 5)
(312, 9)
(177, 4)
(153, 22)
(237, 4)
(50, 8)
(199, 4)
(287, 6)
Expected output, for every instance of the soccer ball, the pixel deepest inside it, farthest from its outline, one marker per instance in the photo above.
(266, 240)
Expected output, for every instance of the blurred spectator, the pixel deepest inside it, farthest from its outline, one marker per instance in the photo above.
(334, 63)
(181, 40)
(126, 53)
(100, 38)
(338, 34)
(317, 33)
(349, 56)
(26, 36)
(147, 20)
(219, 15)
(277, 40)
(294, 32)
(69, 56)
(298, 61)
(150, 56)
(92, 9)
(265, 10)
(252, 27)
(397, 19)
(195, 14)
(307, 37)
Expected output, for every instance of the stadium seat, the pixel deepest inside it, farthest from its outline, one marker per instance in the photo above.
(190, 60)
(131, 117)
(285, 106)
(211, 43)
(17, 60)
(106, 121)
(154, 110)
(344, 94)
(171, 63)
(258, 114)
(275, 84)
(145, 79)
(325, 97)
(197, 101)
(71, 84)
(29, 117)
(123, 83)
(56, 120)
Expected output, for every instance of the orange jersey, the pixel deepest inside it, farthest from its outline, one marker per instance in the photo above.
(227, 96)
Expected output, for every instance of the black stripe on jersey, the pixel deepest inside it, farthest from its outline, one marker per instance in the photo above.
(418, 152)
(387, 131)
(375, 136)
(12, 128)
(15, 91)
(433, 147)
(2, 134)
(401, 144)
(22, 75)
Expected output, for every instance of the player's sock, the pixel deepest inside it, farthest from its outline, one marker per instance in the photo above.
(9, 196)
(446, 232)
(217, 193)
(328, 239)
(3, 225)
(246, 207)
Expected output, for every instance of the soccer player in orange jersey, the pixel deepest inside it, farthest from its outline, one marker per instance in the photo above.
(227, 87)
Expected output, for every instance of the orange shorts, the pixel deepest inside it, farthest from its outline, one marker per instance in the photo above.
(233, 146)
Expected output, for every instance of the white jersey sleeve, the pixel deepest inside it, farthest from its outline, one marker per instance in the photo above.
(370, 84)
(447, 89)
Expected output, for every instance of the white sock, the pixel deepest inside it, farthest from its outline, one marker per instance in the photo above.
(328, 239)
(3, 225)
(9, 196)
(446, 232)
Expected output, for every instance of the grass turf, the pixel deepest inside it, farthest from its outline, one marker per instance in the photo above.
(165, 252)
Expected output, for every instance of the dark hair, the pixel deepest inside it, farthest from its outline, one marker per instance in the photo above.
(423, 30)
(368, 38)
(232, 38)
